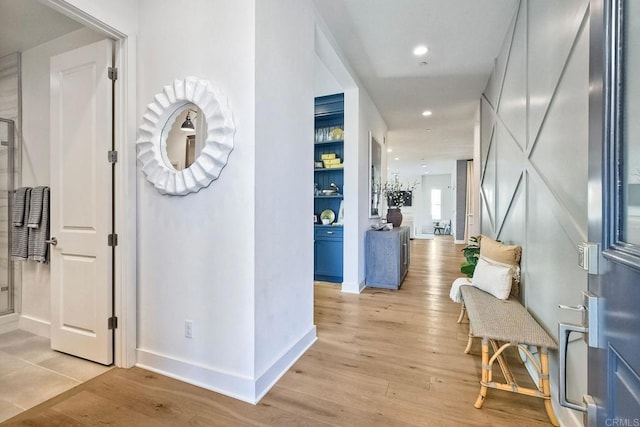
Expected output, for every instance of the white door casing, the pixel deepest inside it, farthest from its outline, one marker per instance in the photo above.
(81, 263)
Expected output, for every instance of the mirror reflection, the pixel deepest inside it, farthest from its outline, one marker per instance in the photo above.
(186, 131)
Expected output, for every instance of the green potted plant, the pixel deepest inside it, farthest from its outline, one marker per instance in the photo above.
(471, 254)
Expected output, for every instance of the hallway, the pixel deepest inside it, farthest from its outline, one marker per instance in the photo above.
(382, 358)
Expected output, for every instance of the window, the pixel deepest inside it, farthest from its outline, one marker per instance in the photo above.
(436, 203)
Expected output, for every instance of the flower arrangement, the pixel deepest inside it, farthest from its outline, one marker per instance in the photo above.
(396, 192)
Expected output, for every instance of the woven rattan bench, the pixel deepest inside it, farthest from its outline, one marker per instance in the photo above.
(498, 321)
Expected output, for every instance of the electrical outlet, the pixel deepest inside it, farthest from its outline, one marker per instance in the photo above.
(188, 329)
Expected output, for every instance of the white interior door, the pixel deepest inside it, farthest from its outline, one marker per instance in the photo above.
(81, 282)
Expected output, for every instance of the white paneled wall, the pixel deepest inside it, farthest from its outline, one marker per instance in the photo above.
(534, 121)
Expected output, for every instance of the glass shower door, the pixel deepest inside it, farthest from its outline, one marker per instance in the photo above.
(7, 139)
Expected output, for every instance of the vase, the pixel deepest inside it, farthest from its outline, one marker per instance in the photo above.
(394, 216)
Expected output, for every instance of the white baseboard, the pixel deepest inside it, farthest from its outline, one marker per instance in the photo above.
(271, 376)
(232, 385)
(459, 242)
(353, 288)
(568, 417)
(226, 383)
(424, 236)
(9, 323)
(531, 369)
(35, 326)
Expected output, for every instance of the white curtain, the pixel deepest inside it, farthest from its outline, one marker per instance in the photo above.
(468, 223)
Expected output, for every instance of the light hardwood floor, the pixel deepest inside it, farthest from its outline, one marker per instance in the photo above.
(382, 358)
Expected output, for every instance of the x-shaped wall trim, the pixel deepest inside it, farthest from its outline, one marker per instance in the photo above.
(531, 174)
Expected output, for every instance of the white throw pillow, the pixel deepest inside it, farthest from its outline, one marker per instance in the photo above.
(494, 278)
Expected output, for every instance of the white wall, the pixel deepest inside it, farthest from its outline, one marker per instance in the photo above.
(421, 204)
(442, 182)
(415, 212)
(283, 182)
(196, 253)
(121, 15)
(530, 195)
(35, 316)
(360, 117)
(370, 120)
(324, 82)
(232, 258)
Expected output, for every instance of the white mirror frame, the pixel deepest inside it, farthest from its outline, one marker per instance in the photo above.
(218, 143)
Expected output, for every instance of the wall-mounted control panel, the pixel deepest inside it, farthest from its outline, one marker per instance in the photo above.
(588, 254)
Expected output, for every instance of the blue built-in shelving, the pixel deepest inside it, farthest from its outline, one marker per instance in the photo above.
(328, 240)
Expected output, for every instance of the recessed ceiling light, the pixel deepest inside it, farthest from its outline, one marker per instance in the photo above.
(426, 113)
(423, 63)
(389, 150)
(420, 50)
(396, 158)
(429, 129)
(424, 166)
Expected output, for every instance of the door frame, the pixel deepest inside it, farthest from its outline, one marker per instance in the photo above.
(125, 176)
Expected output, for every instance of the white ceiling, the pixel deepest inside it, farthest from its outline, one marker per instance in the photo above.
(377, 36)
(463, 37)
(27, 23)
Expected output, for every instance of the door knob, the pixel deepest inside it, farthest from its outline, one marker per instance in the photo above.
(52, 242)
(572, 307)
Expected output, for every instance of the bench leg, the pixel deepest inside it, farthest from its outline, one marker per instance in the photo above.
(485, 373)
(544, 365)
(467, 349)
(463, 310)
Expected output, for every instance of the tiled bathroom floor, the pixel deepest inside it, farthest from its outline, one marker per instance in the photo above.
(30, 372)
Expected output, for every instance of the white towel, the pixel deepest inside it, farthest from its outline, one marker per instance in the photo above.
(19, 232)
(38, 247)
(455, 294)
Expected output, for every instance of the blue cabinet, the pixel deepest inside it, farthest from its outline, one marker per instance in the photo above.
(387, 257)
(328, 253)
(328, 175)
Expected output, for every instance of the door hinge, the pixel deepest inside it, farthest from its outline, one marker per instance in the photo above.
(112, 240)
(112, 156)
(113, 73)
(112, 322)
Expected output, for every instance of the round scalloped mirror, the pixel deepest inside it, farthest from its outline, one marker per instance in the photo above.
(186, 137)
